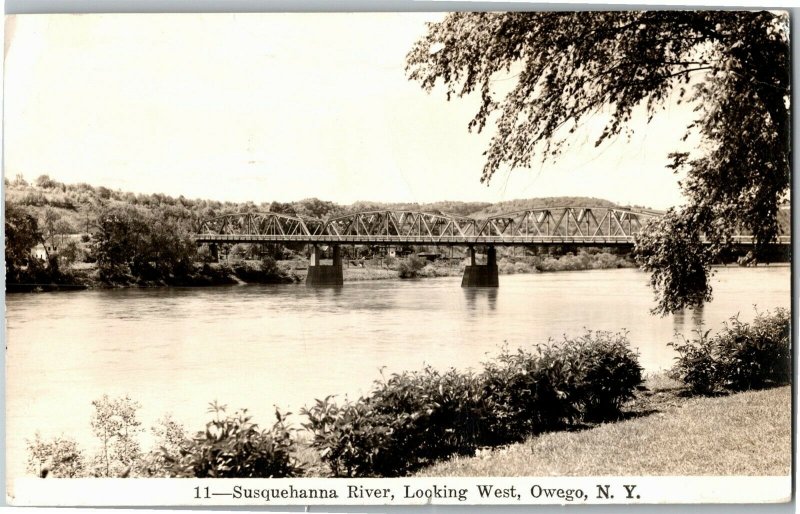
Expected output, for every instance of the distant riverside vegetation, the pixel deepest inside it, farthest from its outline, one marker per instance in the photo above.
(61, 236)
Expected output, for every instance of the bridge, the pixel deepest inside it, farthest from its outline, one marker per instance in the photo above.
(570, 225)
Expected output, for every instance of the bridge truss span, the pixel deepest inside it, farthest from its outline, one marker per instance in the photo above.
(411, 225)
(572, 225)
(583, 224)
(258, 224)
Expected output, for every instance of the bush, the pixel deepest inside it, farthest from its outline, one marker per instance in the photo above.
(266, 271)
(414, 418)
(234, 447)
(589, 377)
(607, 373)
(409, 268)
(527, 393)
(408, 421)
(757, 355)
(434, 415)
(695, 364)
(60, 458)
(350, 438)
(741, 356)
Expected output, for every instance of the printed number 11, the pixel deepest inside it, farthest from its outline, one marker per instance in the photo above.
(197, 493)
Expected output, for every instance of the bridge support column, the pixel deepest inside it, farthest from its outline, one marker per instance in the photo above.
(325, 274)
(481, 275)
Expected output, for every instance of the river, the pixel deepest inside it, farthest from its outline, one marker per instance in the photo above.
(174, 350)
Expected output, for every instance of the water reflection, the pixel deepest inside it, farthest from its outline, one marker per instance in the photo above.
(689, 320)
(697, 317)
(478, 297)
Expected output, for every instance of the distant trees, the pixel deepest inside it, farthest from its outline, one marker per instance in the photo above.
(315, 208)
(21, 236)
(132, 244)
(45, 182)
(23, 232)
(54, 230)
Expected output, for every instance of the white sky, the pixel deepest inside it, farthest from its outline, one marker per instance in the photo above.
(280, 107)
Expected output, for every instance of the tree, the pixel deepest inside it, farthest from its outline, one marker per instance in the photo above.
(133, 243)
(45, 182)
(115, 423)
(54, 230)
(733, 66)
(21, 236)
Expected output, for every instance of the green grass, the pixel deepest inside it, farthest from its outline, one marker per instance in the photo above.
(742, 434)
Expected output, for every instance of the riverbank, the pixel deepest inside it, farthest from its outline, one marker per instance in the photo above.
(666, 433)
(84, 275)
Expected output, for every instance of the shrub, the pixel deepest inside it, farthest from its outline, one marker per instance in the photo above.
(607, 372)
(170, 436)
(389, 261)
(695, 364)
(350, 438)
(60, 458)
(588, 377)
(408, 268)
(527, 393)
(414, 418)
(434, 415)
(407, 421)
(234, 447)
(741, 356)
(753, 356)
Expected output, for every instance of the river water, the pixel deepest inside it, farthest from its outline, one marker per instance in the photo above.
(174, 350)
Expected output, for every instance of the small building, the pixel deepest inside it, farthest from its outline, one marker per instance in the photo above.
(430, 256)
(394, 251)
(39, 252)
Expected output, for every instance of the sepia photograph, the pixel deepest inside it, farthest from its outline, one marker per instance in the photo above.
(535, 257)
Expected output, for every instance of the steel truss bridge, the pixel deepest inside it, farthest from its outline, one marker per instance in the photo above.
(573, 225)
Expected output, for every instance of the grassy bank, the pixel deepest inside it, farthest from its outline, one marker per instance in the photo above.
(667, 433)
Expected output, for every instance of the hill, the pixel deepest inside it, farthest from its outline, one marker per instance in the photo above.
(77, 206)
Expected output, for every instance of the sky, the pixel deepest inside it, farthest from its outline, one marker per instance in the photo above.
(281, 107)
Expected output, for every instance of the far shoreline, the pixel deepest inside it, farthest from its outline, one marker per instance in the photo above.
(297, 276)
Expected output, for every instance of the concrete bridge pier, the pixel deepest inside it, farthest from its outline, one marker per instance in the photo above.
(481, 275)
(325, 274)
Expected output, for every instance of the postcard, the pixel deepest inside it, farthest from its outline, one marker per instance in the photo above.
(487, 258)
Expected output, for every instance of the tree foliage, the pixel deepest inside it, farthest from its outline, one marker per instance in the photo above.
(115, 422)
(22, 234)
(733, 66)
(134, 244)
(59, 457)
